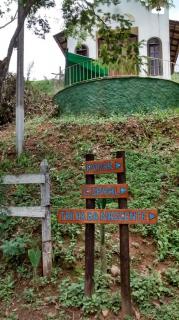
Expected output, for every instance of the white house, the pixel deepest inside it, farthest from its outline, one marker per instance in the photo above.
(160, 36)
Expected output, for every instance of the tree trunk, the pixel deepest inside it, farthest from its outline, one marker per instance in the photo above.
(4, 64)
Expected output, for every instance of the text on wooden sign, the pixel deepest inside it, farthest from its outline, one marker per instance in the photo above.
(104, 166)
(100, 191)
(115, 216)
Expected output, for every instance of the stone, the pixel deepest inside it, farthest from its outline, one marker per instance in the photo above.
(115, 271)
(105, 313)
(135, 245)
(52, 314)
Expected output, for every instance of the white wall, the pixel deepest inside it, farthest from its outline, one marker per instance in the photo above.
(90, 42)
(149, 25)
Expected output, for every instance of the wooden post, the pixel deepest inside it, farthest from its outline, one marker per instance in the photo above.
(89, 239)
(124, 250)
(46, 222)
(20, 85)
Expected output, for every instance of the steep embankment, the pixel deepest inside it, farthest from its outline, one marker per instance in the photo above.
(151, 145)
(124, 95)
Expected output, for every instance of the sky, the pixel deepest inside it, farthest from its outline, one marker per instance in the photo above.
(45, 54)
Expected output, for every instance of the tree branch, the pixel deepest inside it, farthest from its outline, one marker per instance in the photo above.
(9, 22)
(90, 5)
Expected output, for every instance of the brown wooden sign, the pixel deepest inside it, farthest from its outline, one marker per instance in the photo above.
(101, 191)
(104, 166)
(115, 216)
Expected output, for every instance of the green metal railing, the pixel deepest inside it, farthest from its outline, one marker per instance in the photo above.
(84, 71)
(149, 67)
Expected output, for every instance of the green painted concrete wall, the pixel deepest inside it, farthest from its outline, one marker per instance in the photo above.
(118, 95)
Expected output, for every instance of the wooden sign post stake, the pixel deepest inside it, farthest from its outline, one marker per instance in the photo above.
(122, 216)
(89, 239)
(46, 221)
(124, 249)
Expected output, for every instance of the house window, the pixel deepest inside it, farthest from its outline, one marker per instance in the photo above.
(82, 50)
(133, 38)
(155, 57)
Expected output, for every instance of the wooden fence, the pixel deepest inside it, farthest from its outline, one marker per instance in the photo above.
(42, 212)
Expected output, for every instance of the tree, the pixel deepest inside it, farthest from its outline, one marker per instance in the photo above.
(37, 23)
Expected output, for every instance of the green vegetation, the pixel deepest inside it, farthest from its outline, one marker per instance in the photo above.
(126, 95)
(72, 295)
(152, 174)
(6, 288)
(49, 87)
(34, 257)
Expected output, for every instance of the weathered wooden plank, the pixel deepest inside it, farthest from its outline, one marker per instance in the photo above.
(101, 191)
(29, 212)
(46, 222)
(113, 216)
(104, 166)
(23, 179)
(126, 302)
(89, 239)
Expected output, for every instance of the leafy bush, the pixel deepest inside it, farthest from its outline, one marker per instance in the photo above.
(172, 276)
(14, 248)
(35, 101)
(6, 287)
(29, 295)
(72, 295)
(145, 288)
(167, 311)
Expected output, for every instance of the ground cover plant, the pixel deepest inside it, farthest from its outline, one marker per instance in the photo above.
(151, 144)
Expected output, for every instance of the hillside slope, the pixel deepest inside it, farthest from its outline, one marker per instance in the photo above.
(151, 143)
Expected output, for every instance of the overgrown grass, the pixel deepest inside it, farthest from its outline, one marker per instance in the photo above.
(49, 87)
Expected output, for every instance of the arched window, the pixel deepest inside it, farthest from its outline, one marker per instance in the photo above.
(82, 50)
(154, 48)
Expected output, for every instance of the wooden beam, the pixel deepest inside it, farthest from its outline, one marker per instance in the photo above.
(126, 302)
(28, 212)
(24, 179)
(46, 222)
(89, 239)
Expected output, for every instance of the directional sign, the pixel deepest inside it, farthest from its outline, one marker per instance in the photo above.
(104, 166)
(115, 216)
(100, 191)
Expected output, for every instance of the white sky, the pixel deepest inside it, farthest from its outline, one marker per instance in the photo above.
(46, 54)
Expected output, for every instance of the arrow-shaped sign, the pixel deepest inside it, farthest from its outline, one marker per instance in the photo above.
(123, 190)
(118, 165)
(104, 166)
(112, 216)
(151, 216)
(104, 191)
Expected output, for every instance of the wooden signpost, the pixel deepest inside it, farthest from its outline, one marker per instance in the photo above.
(122, 216)
(89, 238)
(126, 302)
(102, 191)
(115, 216)
(104, 166)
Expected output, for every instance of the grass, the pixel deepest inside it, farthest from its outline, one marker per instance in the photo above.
(49, 87)
(151, 146)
